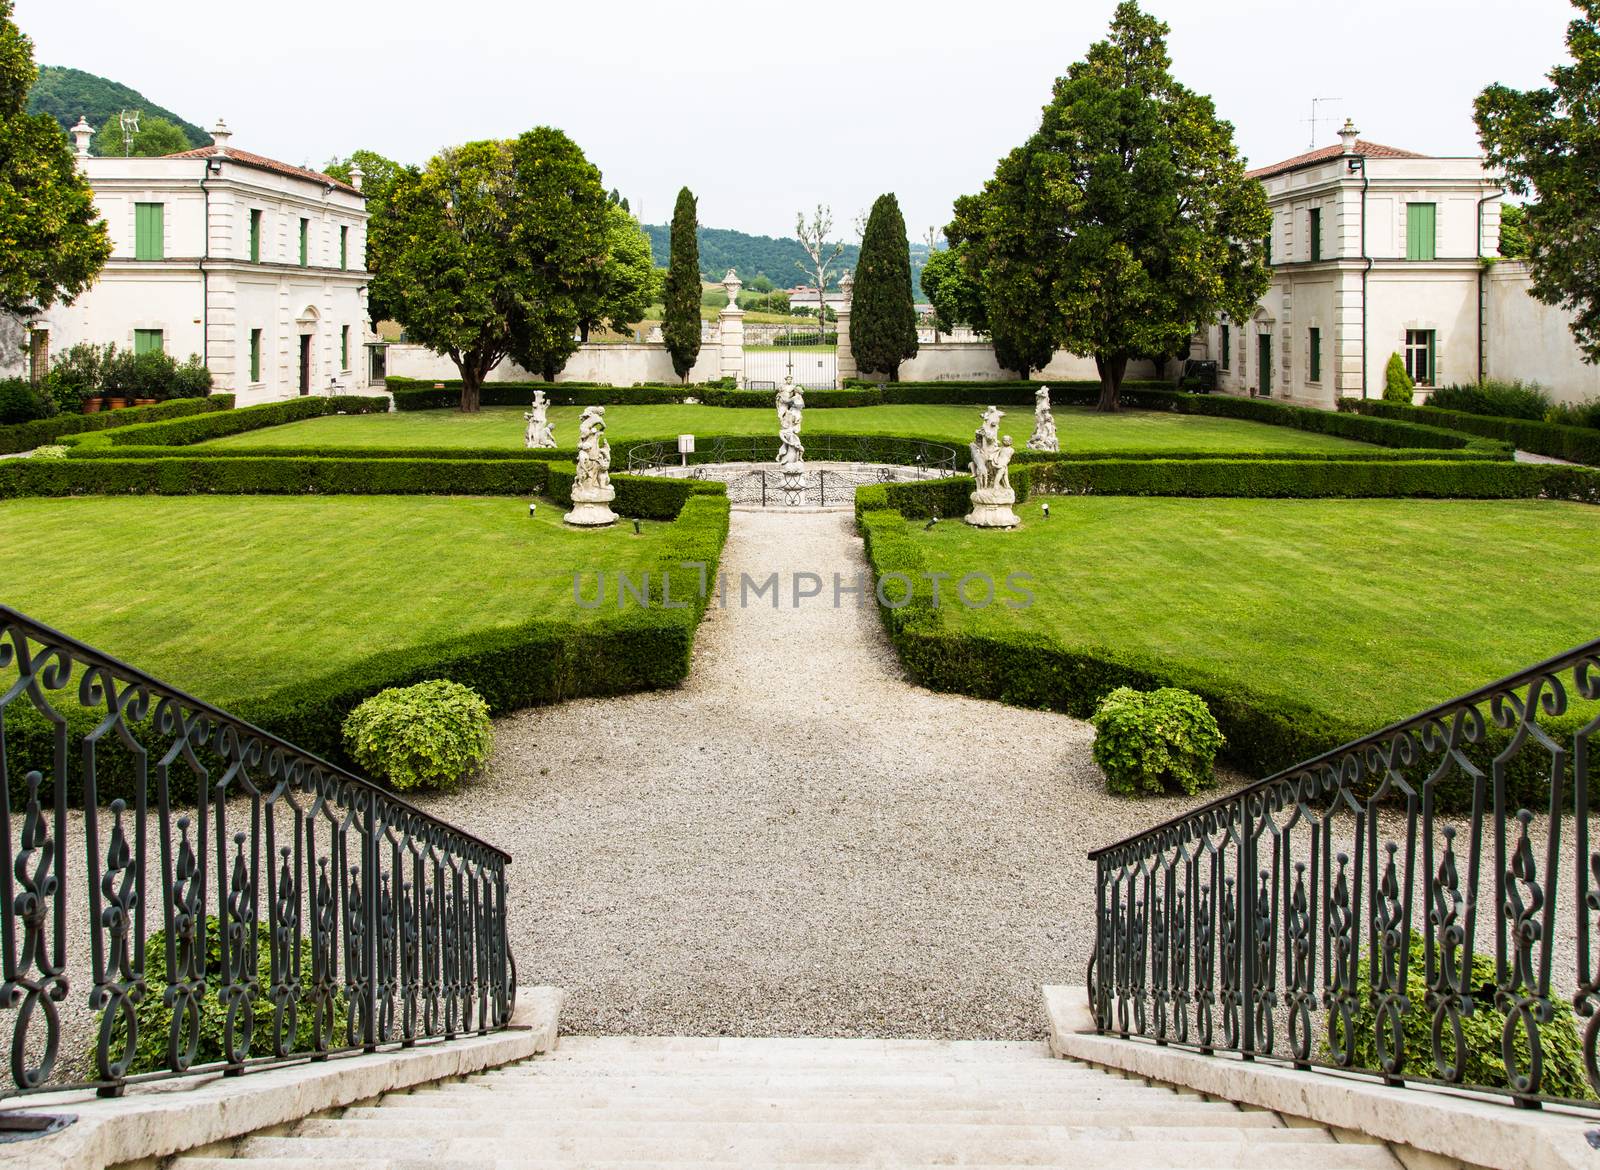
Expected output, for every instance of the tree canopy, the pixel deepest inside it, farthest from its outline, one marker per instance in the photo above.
(680, 316)
(1548, 141)
(1124, 224)
(955, 298)
(56, 241)
(485, 248)
(619, 292)
(378, 175)
(155, 137)
(883, 322)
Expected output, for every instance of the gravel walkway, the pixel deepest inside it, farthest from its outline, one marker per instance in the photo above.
(797, 840)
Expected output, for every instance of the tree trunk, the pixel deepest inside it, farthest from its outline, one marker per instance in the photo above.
(471, 383)
(1112, 370)
(894, 372)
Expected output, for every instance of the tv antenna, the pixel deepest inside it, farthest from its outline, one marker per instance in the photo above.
(1314, 119)
(129, 120)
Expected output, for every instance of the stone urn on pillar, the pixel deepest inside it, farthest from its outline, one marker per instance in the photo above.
(844, 357)
(730, 332)
(994, 496)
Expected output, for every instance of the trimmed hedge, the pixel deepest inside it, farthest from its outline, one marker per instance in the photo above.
(538, 662)
(27, 436)
(185, 431)
(1579, 444)
(1264, 733)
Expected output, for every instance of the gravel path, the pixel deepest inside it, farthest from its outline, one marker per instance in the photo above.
(797, 840)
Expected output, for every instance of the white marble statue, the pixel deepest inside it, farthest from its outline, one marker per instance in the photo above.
(1044, 423)
(592, 492)
(539, 432)
(791, 407)
(991, 468)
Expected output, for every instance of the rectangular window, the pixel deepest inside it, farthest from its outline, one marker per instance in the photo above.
(255, 355)
(1316, 233)
(1266, 244)
(1421, 224)
(1420, 355)
(1316, 356)
(149, 237)
(1227, 348)
(1264, 361)
(344, 247)
(147, 341)
(255, 236)
(305, 242)
(344, 347)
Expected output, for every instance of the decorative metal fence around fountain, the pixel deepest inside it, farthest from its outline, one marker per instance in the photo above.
(1329, 916)
(163, 859)
(820, 448)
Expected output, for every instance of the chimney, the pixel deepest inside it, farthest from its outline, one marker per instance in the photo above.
(220, 135)
(1347, 135)
(82, 133)
(356, 175)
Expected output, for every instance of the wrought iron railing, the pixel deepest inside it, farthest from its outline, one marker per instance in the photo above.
(166, 863)
(1330, 916)
(916, 453)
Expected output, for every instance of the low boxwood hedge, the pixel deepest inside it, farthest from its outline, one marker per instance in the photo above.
(197, 429)
(1265, 733)
(27, 436)
(538, 662)
(1579, 444)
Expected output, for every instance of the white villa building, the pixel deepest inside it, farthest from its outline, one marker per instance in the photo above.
(253, 264)
(1374, 251)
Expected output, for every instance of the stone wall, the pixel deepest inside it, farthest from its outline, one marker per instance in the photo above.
(615, 365)
(1528, 339)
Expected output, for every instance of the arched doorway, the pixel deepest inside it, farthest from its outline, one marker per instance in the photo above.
(306, 328)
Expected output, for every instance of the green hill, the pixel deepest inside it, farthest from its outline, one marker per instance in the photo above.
(66, 94)
(776, 256)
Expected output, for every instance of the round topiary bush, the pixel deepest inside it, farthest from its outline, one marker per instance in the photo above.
(1155, 741)
(431, 735)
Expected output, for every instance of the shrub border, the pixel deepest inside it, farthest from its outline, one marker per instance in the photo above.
(1556, 440)
(26, 436)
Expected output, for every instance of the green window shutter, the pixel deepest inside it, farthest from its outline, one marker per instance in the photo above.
(1267, 245)
(147, 341)
(1433, 358)
(1316, 233)
(255, 355)
(344, 347)
(255, 237)
(1227, 347)
(148, 243)
(1421, 230)
(344, 247)
(305, 242)
(1316, 355)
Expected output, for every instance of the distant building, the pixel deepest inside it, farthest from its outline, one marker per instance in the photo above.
(253, 264)
(1374, 251)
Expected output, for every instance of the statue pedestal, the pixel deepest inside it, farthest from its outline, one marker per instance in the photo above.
(590, 507)
(794, 485)
(991, 508)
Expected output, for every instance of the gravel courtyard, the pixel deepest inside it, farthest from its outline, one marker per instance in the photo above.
(797, 841)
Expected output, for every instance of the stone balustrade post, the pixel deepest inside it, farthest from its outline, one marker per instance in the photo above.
(845, 359)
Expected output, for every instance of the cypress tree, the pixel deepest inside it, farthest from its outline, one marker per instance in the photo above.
(680, 318)
(883, 321)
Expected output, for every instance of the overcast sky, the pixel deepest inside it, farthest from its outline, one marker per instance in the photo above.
(763, 109)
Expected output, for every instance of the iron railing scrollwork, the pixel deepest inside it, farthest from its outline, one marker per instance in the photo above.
(1330, 915)
(156, 849)
(888, 449)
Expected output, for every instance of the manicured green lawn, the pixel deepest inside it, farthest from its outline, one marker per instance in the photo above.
(1080, 429)
(1380, 606)
(232, 596)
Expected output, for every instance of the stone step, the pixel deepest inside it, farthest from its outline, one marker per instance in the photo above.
(842, 1145)
(628, 1109)
(317, 1163)
(800, 1050)
(852, 1074)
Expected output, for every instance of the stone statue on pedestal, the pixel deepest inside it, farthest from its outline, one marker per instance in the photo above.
(1044, 423)
(539, 432)
(791, 452)
(991, 463)
(592, 492)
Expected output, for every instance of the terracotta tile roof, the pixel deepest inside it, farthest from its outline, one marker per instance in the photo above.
(1363, 147)
(245, 158)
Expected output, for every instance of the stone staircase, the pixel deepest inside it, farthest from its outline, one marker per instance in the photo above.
(800, 1104)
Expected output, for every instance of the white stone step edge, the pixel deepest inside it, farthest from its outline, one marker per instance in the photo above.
(1473, 1130)
(160, 1118)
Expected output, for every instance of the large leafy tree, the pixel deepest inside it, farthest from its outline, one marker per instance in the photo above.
(484, 247)
(680, 316)
(955, 298)
(378, 175)
(618, 293)
(54, 240)
(155, 137)
(883, 322)
(1548, 141)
